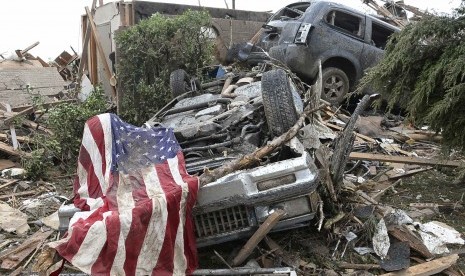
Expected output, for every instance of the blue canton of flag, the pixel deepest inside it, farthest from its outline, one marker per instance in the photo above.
(134, 147)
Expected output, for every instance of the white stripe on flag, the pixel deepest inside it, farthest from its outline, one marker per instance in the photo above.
(89, 144)
(125, 206)
(105, 121)
(91, 246)
(179, 257)
(82, 175)
(155, 235)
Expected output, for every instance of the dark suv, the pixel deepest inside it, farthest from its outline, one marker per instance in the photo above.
(346, 41)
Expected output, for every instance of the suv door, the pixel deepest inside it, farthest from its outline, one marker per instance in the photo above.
(342, 32)
(376, 37)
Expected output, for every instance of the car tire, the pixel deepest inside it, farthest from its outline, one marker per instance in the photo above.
(179, 82)
(278, 101)
(335, 85)
(278, 54)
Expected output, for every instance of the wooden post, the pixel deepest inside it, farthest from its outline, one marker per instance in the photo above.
(100, 50)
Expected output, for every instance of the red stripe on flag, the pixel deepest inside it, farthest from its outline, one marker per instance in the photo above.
(190, 247)
(96, 129)
(80, 228)
(173, 193)
(141, 216)
(93, 184)
(104, 262)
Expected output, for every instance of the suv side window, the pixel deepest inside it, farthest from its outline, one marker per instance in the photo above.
(380, 35)
(345, 22)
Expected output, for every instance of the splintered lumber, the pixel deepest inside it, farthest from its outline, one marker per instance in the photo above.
(22, 139)
(25, 193)
(36, 126)
(6, 164)
(26, 111)
(252, 158)
(103, 58)
(41, 106)
(404, 159)
(9, 183)
(15, 256)
(358, 266)
(428, 268)
(11, 151)
(261, 232)
(404, 235)
(361, 136)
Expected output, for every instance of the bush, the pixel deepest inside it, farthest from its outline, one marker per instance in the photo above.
(67, 123)
(151, 50)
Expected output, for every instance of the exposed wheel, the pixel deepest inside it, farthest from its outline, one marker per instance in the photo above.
(279, 101)
(179, 82)
(278, 54)
(335, 85)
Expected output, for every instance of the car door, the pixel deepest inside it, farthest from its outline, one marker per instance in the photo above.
(376, 37)
(341, 33)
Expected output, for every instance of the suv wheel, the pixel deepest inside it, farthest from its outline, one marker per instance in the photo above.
(179, 82)
(279, 101)
(335, 85)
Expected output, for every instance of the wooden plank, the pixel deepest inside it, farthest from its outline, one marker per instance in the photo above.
(9, 183)
(261, 232)
(36, 126)
(9, 149)
(361, 136)
(28, 48)
(12, 258)
(26, 111)
(22, 139)
(404, 159)
(404, 235)
(428, 268)
(409, 173)
(14, 140)
(103, 58)
(44, 105)
(19, 194)
(6, 164)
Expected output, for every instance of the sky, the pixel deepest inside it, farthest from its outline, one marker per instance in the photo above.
(56, 23)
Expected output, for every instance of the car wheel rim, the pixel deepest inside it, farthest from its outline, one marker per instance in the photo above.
(334, 87)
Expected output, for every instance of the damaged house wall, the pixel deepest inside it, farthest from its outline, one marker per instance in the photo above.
(230, 26)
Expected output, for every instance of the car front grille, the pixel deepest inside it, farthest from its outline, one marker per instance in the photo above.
(221, 221)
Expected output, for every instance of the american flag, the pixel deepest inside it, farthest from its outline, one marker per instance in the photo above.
(136, 197)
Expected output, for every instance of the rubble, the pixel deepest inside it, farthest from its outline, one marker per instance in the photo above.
(361, 161)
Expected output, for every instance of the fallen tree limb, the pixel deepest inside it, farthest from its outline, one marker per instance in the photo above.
(404, 159)
(252, 158)
(343, 145)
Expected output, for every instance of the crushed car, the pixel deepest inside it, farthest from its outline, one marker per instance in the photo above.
(346, 41)
(214, 127)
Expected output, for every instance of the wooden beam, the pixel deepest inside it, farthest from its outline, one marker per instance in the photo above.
(404, 159)
(361, 136)
(261, 232)
(22, 139)
(11, 151)
(26, 111)
(428, 268)
(100, 50)
(25, 193)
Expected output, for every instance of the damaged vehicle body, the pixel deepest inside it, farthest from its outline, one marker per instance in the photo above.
(215, 126)
(346, 41)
